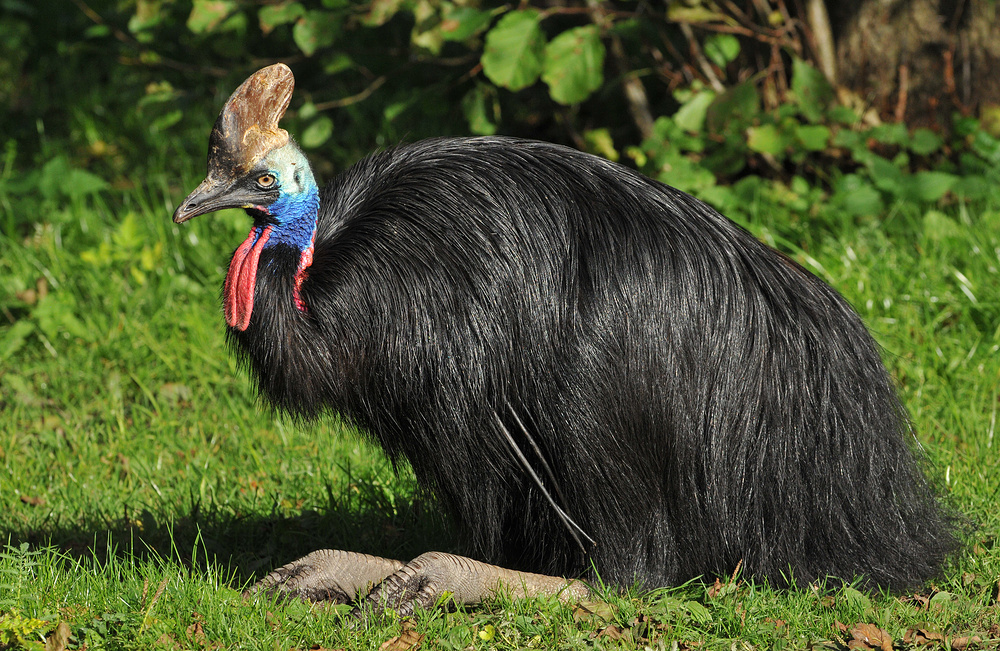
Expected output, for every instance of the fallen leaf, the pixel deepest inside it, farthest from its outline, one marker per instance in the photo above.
(408, 640)
(871, 636)
(58, 639)
(196, 633)
(919, 600)
(32, 500)
(610, 631)
(175, 393)
(922, 636)
(963, 641)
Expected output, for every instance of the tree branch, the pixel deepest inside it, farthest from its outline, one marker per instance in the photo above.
(819, 23)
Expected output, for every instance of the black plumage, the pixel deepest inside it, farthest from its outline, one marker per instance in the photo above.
(510, 315)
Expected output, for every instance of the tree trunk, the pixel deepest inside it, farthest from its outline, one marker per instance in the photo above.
(919, 60)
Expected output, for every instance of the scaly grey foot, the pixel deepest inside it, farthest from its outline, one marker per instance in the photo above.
(349, 577)
(327, 575)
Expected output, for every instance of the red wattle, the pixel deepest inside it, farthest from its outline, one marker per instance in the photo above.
(242, 279)
(305, 260)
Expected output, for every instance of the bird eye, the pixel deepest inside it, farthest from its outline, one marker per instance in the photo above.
(266, 180)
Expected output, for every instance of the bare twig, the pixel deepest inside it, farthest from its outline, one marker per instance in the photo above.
(904, 89)
(635, 92)
(128, 40)
(706, 67)
(353, 99)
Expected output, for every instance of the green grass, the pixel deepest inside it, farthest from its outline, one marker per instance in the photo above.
(142, 486)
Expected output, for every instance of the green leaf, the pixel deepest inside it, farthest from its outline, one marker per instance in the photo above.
(461, 23)
(813, 137)
(148, 14)
(426, 33)
(938, 226)
(56, 318)
(128, 235)
(848, 139)
(722, 49)
(14, 338)
(857, 196)
(986, 146)
(857, 601)
(574, 64)
(514, 50)
(737, 105)
(698, 612)
(317, 133)
(886, 176)
(206, 15)
(924, 142)
(166, 121)
(271, 16)
(380, 11)
(307, 111)
(691, 115)
(765, 139)
(317, 29)
(812, 90)
(890, 134)
(79, 183)
(600, 142)
(972, 186)
(481, 108)
(931, 185)
(336, 62)
(944, 599)
(842, 114)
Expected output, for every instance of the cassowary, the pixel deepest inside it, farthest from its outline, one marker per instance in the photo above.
(596, 374)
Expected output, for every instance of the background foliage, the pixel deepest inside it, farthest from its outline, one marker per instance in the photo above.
(141, 485)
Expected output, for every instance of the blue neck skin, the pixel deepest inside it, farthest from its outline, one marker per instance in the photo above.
(297, 207)
(296, 215)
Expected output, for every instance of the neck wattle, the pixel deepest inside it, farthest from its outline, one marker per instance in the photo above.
(293, 223)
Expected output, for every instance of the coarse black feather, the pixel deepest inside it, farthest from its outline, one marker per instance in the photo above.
(687, 396)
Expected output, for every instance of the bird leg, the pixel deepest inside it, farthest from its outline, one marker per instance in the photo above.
(346, 577)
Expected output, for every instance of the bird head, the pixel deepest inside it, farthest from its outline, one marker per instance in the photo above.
(254, 164)
(245, 144)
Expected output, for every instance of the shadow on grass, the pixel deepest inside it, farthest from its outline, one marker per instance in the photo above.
(246, 547)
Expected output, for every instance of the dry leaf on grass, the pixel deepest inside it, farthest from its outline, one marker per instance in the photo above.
(610, 631)
(196, 633)
(869, 636)
(409, 639)
(58, 639)
(965, 641)
(922, 636)
(918, 600)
